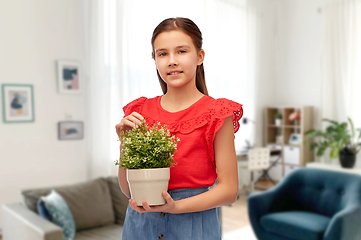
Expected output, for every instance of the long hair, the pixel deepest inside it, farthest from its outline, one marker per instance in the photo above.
(190, 28)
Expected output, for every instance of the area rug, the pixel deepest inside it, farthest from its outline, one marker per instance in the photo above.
(245, 233)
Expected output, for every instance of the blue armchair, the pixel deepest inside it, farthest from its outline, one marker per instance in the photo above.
(309, 204)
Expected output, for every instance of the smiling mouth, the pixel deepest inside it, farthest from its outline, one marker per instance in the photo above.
(174, 73)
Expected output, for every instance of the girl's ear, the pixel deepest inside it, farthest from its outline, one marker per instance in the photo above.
(201, 54)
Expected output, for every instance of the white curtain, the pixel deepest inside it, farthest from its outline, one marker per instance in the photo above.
(341, 61)
(231, 45)
(102, 26)
(119, 67)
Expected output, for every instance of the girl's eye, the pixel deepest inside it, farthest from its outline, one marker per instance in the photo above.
(181, 51)
(162, 54)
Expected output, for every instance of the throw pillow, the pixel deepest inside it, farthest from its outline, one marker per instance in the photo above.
(60, 213)
(42, 211)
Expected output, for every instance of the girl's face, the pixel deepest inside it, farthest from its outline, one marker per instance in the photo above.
(176, 58)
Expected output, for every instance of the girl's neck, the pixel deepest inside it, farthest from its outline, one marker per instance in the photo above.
(174, 101)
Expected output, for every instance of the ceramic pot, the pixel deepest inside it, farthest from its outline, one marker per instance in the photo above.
(347, 158)
(278, 122)
(148, 184)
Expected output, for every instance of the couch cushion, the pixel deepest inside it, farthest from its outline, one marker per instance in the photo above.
(60, 213)
(296, 225)
(89, 202)
(120, 201)
(110, 232)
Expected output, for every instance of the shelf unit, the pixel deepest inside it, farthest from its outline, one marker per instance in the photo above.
(294, 155)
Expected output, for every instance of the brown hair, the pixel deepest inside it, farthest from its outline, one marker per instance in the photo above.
(190, 28)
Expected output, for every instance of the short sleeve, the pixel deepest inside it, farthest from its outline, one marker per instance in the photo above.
(220, 110)
(134, 106)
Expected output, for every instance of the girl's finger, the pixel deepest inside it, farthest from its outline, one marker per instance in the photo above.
(137, 115)
(121, 127)
(158, 208)
(118, 128)
(146, 206)
(133, 205)
(130, 121)
(127, 123)
(167, 197)
(133, 120)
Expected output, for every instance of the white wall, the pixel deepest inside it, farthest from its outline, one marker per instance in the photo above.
(266, 76)
(34, 34)
(299, 37)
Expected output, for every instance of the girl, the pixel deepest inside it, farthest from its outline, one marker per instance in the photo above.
(206, 151)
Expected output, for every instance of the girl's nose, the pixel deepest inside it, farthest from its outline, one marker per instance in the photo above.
(172, 61)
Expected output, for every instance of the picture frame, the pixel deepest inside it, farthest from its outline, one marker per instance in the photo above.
(69, 77)
(18, 103)
(70, 130)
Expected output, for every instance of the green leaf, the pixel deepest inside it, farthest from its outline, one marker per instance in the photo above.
(313, 146)
(316, 133)
(334, 152)
(352, 128)
(320, 151)
(330, 121)
(310, 131)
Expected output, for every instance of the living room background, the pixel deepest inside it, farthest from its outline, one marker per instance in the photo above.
(37, 33)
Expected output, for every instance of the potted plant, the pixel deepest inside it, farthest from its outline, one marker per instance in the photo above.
(147, 156)
(278, 119)
(343, 143)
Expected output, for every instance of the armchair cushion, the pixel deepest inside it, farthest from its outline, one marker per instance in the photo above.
(327, 194)
(296, 225)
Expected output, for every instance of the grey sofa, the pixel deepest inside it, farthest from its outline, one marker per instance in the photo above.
(98, 208)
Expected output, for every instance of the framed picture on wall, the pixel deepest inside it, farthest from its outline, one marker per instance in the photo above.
(18, 103)
(70, 130)
(69, 77)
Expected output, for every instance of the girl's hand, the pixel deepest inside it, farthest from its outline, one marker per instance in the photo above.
(132, 120)
(169, 206)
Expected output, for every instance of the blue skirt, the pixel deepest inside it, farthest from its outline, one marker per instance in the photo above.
(155, 225)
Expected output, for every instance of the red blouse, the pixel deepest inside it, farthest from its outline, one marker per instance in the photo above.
(196, 127)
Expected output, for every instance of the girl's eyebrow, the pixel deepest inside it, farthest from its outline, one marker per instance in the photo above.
(164, 49)
(183, 46)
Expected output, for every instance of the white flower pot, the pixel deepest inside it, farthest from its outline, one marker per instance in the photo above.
(278, 122)
(148, 184)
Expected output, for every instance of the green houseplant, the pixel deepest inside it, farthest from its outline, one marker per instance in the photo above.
(344, 143)
(147, 155)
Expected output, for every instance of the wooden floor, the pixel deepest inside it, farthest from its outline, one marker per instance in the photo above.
(236, 215)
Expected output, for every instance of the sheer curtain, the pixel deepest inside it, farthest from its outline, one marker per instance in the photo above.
(231, 44)
(102, 68)
(119, 67)
(341, 61)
